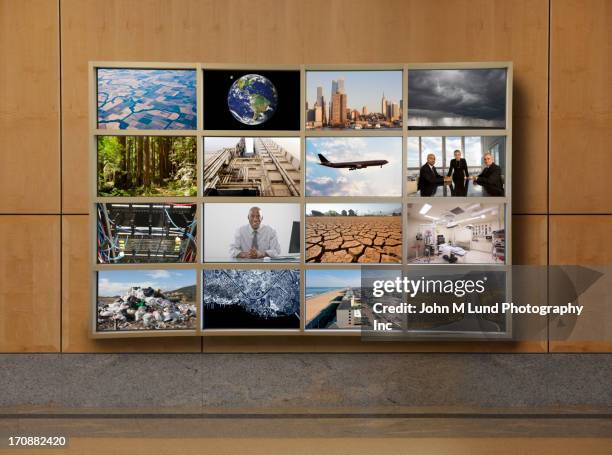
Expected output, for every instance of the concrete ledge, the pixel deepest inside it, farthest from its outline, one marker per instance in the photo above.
(305, 383)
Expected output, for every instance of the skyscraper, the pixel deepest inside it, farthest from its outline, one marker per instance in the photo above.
(341, 85)
(395, 111)
(320, 95)
(310, 114)
(337, 86)
(335, 109)
(318, 115)
(324, 111)
(383, 105)
(338, 109)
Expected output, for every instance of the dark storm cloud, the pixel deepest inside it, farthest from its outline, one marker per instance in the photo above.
(445, 98)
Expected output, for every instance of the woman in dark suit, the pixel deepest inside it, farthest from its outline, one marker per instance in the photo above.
(458, 168)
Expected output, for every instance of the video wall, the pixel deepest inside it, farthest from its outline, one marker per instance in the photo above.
(249, 200)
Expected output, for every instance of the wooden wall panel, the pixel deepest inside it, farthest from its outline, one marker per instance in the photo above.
(529, 240)
(316, 31)
(582, 240)
(29, 107)
(76, 298)
(581, 106)
(273, 31)
(29, 283)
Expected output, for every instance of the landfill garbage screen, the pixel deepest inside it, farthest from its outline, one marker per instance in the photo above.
(164, 300)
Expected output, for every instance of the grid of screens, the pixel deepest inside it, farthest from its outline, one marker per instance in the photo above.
(231, 199)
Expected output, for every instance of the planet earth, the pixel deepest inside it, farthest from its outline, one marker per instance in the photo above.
(252, 99)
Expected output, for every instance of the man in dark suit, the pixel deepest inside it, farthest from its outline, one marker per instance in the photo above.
(429, 179)
(458, 167)
(490, 178)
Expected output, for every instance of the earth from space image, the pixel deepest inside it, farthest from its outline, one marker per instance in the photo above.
(252, 99)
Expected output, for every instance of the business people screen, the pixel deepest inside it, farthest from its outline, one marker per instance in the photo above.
(250, 232)
(460, 166)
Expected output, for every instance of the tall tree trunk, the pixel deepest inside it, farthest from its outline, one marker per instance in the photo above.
(128, 162)
(147, 163)
(154, 163)
(166, 158)
(139, 161)
(163, 168)
(122, 175)
(100, 162)
(160, 162)
(169, 165)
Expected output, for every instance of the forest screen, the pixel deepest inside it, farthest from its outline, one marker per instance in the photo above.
(146, 166)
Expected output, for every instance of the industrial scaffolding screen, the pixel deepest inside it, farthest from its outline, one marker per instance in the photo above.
(146, 233)
(252, 166)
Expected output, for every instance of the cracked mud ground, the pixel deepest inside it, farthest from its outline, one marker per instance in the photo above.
(370, 239)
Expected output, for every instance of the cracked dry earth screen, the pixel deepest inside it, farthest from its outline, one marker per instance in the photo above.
(345, 235)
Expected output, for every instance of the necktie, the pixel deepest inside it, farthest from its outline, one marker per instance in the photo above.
(254, 244)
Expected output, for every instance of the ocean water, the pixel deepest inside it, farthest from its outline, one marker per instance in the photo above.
(311, 292)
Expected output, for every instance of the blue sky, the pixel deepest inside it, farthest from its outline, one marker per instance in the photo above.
(372, 181)
(362, 209)
(117, 282)
(333, 278)
(363, 88)
(326, 278)
(213, 144)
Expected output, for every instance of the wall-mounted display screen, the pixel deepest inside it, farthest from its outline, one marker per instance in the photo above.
(146, 233)
(457, 98)
(354, 166)
(251, 100)
(251, 299)
(143, 300)
(359, 100)
(252, 166)
(350, 232)
(456, 166)
(146, 99)
(146, 166)
(288, 185)
(446, 232)
(251, 232)
(333, 299)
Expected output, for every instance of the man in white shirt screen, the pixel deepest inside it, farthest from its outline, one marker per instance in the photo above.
(253, 240)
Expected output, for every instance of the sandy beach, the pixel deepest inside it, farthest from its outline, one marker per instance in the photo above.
(315, 304)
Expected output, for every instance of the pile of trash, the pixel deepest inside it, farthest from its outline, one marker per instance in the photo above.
(146, 308)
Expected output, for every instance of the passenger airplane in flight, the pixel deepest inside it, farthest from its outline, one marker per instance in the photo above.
(352, 165)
